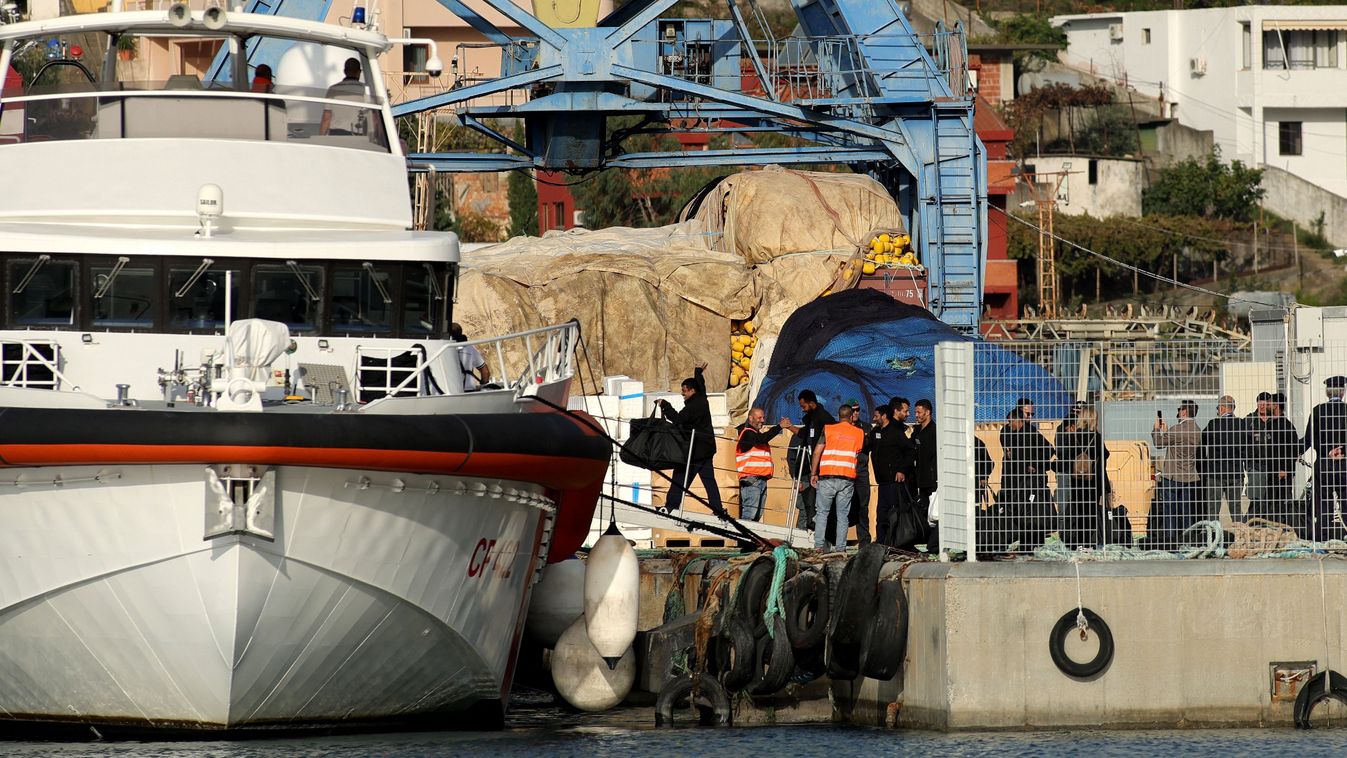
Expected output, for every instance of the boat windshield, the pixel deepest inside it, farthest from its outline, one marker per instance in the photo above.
(139, 87)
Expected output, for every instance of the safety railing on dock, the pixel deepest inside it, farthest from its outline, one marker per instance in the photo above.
(1143, 449)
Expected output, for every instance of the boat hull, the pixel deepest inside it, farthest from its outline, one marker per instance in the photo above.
(379, 599)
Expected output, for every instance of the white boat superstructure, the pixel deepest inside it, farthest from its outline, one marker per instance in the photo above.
(247, 478)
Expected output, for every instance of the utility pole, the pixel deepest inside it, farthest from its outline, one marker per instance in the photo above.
(1045, 198)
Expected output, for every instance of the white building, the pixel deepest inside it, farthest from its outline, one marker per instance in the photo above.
(1269, 81)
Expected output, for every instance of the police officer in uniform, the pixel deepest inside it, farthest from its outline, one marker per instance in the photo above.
(1326, 433)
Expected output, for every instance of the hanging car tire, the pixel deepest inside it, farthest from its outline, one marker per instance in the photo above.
(855, 599)
(1312, 693)
(1057, 645)
(736, 654)
(886, 645)
(775, 662)
(806, 608)
(751, 600)
(809, 665)
(685, 693)
(844, 660)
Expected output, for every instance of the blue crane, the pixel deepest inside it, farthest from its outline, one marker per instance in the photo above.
(853, 84)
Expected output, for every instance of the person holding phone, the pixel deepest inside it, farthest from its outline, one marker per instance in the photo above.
(1177, 480)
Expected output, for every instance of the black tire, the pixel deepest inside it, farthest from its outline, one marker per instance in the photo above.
(736, 654)
(806, 607)
(886, 644)
(751, 600)
(854, 604)
(1312, 693)
(775, 662)
(699, 691)
(809, 665)
(1057, 645)
(844, 660)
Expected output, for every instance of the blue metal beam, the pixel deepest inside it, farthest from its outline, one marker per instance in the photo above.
(420, 163)
(472, 123)
(624, 12)
(518, 16)
(483, 27)
(750, 157)
(432, 102)
(638, 22)
(785, 110)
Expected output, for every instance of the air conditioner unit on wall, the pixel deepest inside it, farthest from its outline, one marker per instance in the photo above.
(1198, 66)
(1115, 32)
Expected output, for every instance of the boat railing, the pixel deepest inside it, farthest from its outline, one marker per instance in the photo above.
(547, 355)
(187, 109)
(32, 364)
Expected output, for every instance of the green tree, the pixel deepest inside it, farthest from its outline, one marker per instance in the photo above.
(1029, 29)
(641, 197)
(523, 196)
(1207, 188)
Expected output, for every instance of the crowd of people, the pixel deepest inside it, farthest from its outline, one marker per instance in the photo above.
(837, 463)
(1243, 467)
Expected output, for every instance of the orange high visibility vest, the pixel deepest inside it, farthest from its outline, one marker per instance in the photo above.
(841, 444)
(756, 461)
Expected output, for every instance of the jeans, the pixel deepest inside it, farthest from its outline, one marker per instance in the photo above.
(833, 494)
(702, 470)
(1223, 487)
(1178, 511)
(752, 491)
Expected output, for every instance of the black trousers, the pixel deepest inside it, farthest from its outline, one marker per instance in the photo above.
(886, 512)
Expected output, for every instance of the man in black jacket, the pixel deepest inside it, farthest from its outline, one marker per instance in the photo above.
(1283, 450)
(926, 454)
(695, 421)
(859, 515)
(1025, 457)
(1224, 449)
(799, 457)
(891, 452)
(1258, 459)
(1326, 434)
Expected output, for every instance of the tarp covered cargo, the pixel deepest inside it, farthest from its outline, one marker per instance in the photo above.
(863, 345)
(761, 215)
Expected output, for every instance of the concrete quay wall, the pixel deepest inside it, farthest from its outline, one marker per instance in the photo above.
(1194, 641)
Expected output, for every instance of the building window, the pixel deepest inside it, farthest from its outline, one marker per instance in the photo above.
(1246, 44)
(559, 213)
(1289, 138)
(1300, 49)
(1145, 36)
(1094, 171)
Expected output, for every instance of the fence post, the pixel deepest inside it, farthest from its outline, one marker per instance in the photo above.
(954, 419)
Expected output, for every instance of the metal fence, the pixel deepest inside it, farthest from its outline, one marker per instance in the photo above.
(1191, 447)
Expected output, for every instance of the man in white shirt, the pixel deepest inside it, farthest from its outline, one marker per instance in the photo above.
(344, 120)
(470, 359)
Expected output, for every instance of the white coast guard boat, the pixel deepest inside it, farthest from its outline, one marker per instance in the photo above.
(241, 483)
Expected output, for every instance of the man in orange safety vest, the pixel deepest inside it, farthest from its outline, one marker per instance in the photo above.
(753, 461)
(834, 476)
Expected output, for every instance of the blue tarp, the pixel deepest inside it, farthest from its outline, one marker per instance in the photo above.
(863, 345)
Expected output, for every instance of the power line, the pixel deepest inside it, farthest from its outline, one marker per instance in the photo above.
(1129, 267)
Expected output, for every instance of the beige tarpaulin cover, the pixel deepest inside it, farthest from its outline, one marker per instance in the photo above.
(653, 302)
(761, 215)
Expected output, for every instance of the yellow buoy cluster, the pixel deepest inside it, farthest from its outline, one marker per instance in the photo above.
(886, 250)
(742, 343)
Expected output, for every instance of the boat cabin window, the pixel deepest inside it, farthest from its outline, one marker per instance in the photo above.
(362, 299)
(190, 86)
(41, 292)
(289, 294)
(122, 295)
(197, 298)
(187, 294)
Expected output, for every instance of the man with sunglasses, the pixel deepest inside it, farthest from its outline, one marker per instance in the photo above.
(1177, 480)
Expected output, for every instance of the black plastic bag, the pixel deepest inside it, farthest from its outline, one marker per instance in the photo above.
(909, 527)
(655, 444)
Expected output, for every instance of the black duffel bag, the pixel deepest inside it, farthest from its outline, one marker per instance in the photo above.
(655, 444)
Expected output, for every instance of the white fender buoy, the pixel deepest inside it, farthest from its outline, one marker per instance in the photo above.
(583, 677)
(557, 600)
(612, 595)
